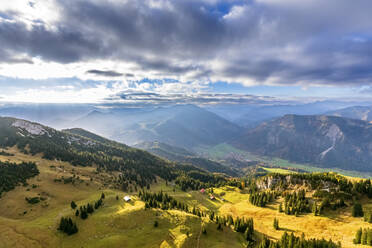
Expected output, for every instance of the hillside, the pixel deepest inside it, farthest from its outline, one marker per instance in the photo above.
(326, 141)
(115, 224)
(81, 148)
(90, 135)
(181, 155)
(78, 176)
(118, 223)
(186, 126)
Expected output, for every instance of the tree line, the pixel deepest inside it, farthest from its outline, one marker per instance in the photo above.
(291, 241)
(12, 174)
(260, 199)
(87, 209)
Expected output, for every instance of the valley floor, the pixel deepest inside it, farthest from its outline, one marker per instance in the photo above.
(122, 224)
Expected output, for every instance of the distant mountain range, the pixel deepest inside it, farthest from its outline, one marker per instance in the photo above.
(356, 112)
(183, 132)
(181, 155)
(186, 126)
(251, 115)
(55, 115)
(326, 141)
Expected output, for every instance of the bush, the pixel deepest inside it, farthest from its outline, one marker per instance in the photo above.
(33, 200)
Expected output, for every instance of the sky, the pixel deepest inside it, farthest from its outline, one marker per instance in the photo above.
(81, 51)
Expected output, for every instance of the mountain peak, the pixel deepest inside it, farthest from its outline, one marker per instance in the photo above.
(326, 141)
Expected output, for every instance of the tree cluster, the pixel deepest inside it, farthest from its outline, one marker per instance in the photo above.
(85, 210)
(12, 174)
(195, 180)
(260, 199)
(163, 201)
(245, 226)
(363, 236)
(66, 225)
(4, 153)
(296, 203)
(291, 241)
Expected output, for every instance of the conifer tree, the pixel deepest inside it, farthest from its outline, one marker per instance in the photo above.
(364, 237)
(276, 224)
(280, 207)
(358, 236)
(73, 205)
(357, 210)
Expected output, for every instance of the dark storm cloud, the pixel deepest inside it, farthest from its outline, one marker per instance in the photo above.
(105, 73)
(322, 42)
(6, 57)
(62, 45)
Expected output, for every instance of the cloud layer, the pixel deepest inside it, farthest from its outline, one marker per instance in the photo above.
(287, 42)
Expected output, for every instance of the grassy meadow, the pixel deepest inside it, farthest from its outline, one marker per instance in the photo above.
(121, 224)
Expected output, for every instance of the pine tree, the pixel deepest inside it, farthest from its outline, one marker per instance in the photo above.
(83, 214)
(364, 237)
(358, 236)
(357, 210)
(276, 224)
(369, 236)
(280, 208)
(73, 205)
(211, 216)
(315, 209)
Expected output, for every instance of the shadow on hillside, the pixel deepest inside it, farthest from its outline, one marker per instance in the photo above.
(335, 218)
(286, 229)
(271, 207)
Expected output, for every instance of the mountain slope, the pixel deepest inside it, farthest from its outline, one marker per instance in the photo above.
(181, 155)
(82, 148)
(327, 141)
(185, 126)
(89, 135)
